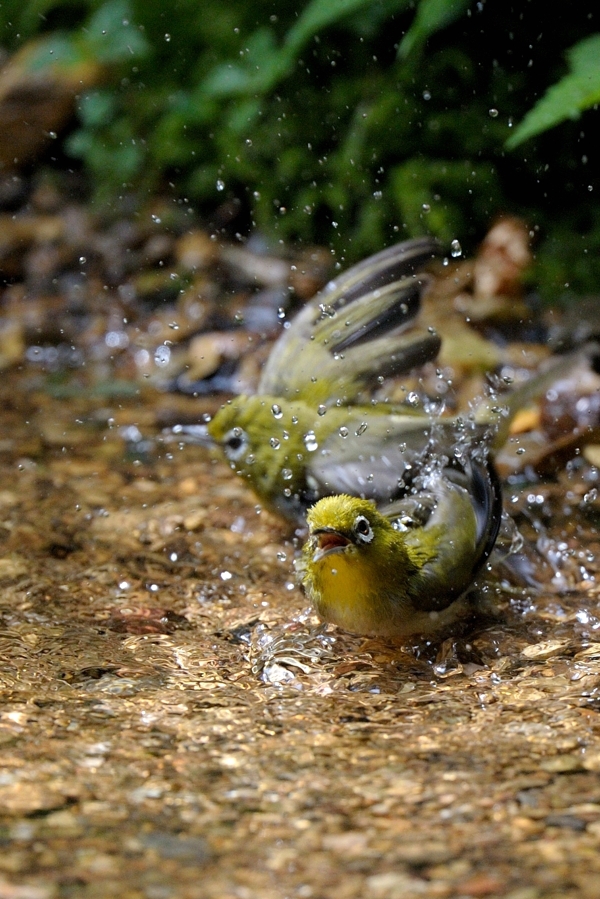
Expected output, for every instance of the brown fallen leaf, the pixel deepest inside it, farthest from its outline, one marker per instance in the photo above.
(146, 621)
(502, 260)
(37, 101)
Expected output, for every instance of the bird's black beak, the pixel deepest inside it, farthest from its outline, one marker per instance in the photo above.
(195, 434)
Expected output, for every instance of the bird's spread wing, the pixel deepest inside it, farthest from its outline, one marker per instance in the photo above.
(480, 479)
(374, 457)
(378, 456)
(358, 328)
(456, 501)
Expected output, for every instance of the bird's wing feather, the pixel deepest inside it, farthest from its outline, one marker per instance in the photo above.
(358, 328)
(456, 500)
(377, 457)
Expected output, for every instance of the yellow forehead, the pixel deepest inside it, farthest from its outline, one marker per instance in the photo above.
(339, 512)
(236, 413)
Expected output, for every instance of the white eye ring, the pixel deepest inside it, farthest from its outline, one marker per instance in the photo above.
(235, 444)
(362, 529)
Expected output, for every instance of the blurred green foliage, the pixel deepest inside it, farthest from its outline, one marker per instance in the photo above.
(347, 122)
(576, 91)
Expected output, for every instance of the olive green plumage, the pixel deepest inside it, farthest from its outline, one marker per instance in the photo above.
(358, 329)
(403, 570)
(292, 456)
(304, 434)
(424, 486)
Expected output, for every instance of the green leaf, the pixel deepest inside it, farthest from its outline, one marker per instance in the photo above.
(57, 50)
(97, 108)
(569, 97)
(432, 16)
(79, 143)
(266, 64)
(109, 37)
(318, 15)
(261, 70)
(111, 34)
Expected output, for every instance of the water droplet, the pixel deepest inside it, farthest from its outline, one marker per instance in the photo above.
(343, 432)
(455, 248)
(281, 313)
(326, 311)
(281, 556)
(322, 409)
(53, 135)
(82, 260)
(493, 113)
(310, 441)
(294, 419)
(275, 443)
(226, 575)
(274, 673)
(167, 38)
(174, 326)
(413, 398)
(162, 355)
(287, 474)
(426, 207)
(220, 185)
(156, 219)
(276, 410)
(361, 428)
(427, 95)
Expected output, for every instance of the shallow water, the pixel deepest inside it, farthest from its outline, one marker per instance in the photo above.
(176, 723)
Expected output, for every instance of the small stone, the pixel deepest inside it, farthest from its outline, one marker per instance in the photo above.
(546, 649)
(481, 885)
(560, 764)
(591, 762)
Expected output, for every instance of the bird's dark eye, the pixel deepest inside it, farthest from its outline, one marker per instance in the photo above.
(362, 529)
(235, 444)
